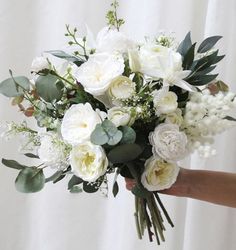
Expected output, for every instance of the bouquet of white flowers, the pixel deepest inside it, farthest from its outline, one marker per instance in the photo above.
(123, 107)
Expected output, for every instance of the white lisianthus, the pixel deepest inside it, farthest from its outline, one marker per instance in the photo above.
(168, 142)
(88, 161)
(164, 101)
(78, 123)
(134, 62)
(121, 88)
(175, 117)
(39, 63)
(121, 116)
(159, 174)
(161, 62)
(97, 73)
(53, 152)
(110, 40)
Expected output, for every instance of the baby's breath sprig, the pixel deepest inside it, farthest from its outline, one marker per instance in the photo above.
(111, 16)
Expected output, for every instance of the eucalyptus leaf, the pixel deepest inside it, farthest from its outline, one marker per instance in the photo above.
(16, 86)
(129, 135)
(13, 164)
(76, 189)
(115, 189)
(30, 180)
(208, 43)
(30, 155)
(55, 176)
(74, 181)
(49, 88)
(115, 139)
(99, 136)
(124, 153)
(230, 118)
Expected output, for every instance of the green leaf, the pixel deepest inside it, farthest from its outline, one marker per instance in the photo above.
(115, 189)
(12, 87)
(222, 86)
(63, 55)
(49, 88)
(115, 139)
(203, 80)
(208, 43)
(109, 127)
(124, 153)
(230, 118)
(30, 155)
(99, 136)
(74, 181)
(59, 178)
(13, 164)
(76, 189)
(90, 187)
(30, 180)
(55, 176)
(185, 45)
(189, 57)
(129, 135)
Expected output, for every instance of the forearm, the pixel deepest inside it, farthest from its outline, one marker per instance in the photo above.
(211, 186)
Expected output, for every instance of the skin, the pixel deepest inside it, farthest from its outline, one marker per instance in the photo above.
(211, 186)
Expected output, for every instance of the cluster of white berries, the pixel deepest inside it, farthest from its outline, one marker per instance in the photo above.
(205, 116)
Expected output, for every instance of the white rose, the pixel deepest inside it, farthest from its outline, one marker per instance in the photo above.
(97, 73)
(134, 62)
(161, 62)
(121, 88)
(164, 101)
(109, 40)
(175, 117)
(168, 142)
(53, 151)
(39, 63)
(159, 174)
(121, 116)
(78, 123)
(88, 161)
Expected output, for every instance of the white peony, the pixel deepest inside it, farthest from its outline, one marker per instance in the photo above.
(121, 116)
(97, 73)
(53, 152)
(110, 40)
(88, 161)
(39, 63)
(161, 62)
(159, 174)
(168, 142)
(78, 123)
(164, 101)
(121, 88)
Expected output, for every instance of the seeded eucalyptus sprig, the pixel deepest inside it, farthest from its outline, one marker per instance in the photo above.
(111, 16)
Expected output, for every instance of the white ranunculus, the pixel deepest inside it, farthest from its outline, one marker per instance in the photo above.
(88, 161)
(39, 63)
(161, 62)
(78, 123)
(121, 88)
(53, 152)
(168, 142)
(159, 174)
(110, 40)
(175, 117)
(97, 73)
(164, 101)
(121, 116)
(134, 62)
